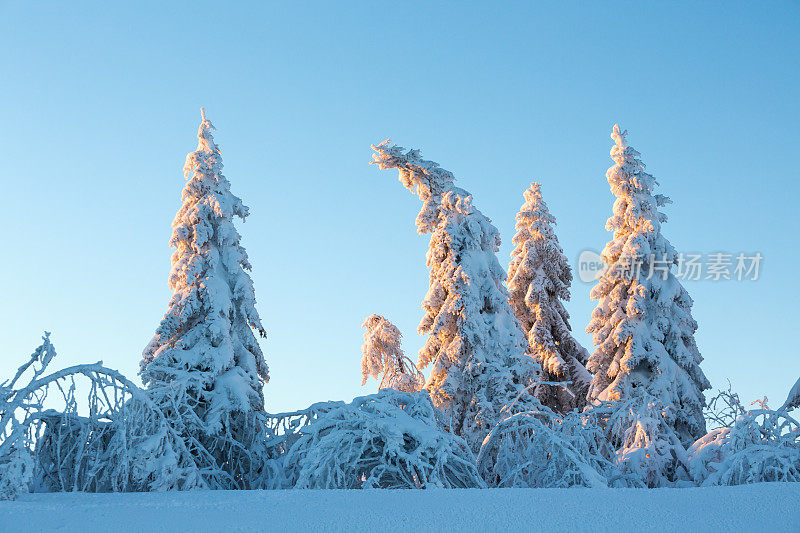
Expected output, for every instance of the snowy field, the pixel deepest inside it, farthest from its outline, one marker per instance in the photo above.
(773, 507)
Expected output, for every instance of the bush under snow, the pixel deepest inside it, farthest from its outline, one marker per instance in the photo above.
(760, 446)
(391, 440)
(544, 449)
(16, 473)
(123, 443)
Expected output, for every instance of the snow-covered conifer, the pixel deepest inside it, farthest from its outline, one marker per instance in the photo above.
(204, 352)
(383, 358)
(642, 326)
(475, 345)
(539, 278)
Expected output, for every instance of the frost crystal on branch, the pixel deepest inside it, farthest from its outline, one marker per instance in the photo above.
(539, 278)
(475, 345)
(642, 326)
(384, 359)
(204, 351)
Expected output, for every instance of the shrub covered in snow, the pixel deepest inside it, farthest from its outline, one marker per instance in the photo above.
(123, 442)
(383, 358)
(545, 449)
(16, 472)
(391, 439)
(758, 445)
(649, 452)
(475, 344)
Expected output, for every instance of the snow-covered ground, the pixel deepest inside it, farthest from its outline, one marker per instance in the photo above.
(772, 507)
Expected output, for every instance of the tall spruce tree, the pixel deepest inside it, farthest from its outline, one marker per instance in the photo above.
(204, 351)
(539, 278)
(642, 326)
(475, 345)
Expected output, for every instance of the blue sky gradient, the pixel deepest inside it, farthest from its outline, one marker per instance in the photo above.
(101, 104)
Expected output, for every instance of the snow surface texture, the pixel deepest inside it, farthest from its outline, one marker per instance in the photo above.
(642, 326)
(475, 344)
(771, 507)
(539, 278)
(383, 358)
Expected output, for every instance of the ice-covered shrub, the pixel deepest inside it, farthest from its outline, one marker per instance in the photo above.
(760, 445)
(649, 452)
(237, 455)
(16, 472)
(391, 439)
(88, 428)
(545, 449)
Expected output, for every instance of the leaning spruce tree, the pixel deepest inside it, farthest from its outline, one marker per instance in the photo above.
(477, 349)
(204, 352)
(539, 278)
(642, 326)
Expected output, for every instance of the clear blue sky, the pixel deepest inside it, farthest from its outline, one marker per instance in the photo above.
(100, 104)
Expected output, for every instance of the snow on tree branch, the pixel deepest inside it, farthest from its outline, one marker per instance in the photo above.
(383, 358)
(793, 400)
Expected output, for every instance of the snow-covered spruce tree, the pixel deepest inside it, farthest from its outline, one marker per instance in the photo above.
(539, 278)
(642, 326)
(383, 358)
(475, 345)
(204, 364)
